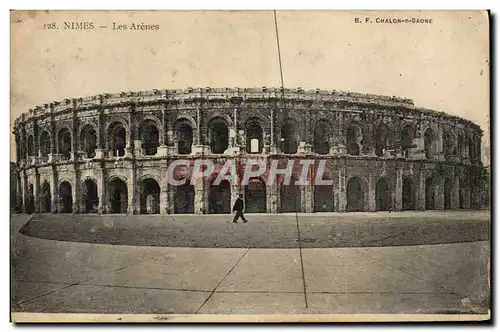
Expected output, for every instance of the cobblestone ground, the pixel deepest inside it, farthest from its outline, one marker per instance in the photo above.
(266, 231)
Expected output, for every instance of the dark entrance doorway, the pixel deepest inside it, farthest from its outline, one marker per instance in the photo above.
(220, 198)
(118, 196)
(149, 197)
(219, 135)
(355, 195)
(65, 198)
(46, 198)
(30, 200)
(184, 134)
(255, 196)
(383, 195)
(290, 198)
(184, 199)
(323, 198)
(408, 194)
(90, 198)
(150, 137)
(289, 139)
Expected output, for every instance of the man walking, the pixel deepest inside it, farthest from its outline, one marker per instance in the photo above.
(238, 208)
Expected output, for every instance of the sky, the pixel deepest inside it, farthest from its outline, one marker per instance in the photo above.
(443, 65)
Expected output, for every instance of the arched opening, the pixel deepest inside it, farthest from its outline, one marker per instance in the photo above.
(382, 195)
(30, 200)
(322, 134)
(184, 199)
(255, 196)
(31, 146)
(407, 135)
(429, 194)
(64, 143)
(448, 187)
(219, 135)
(354, 138)
(118, 196)
(408, 194)
(289, 137)
(448, 145)
(65, 198)
(117, 136)
(149, 196)
(22, 149)
(428, 143)
(254, 136)
(88, 140)
(44, 144)
(472, 150)
(381, 136)
(90, 197)
(46, 198)
(220, 198)
(184, 136)
(290, 198)
(355, 195)
(150, 137)
(323, 198)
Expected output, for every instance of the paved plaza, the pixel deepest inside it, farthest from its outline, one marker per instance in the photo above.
(63, 276)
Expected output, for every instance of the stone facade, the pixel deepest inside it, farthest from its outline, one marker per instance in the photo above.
(110, 153)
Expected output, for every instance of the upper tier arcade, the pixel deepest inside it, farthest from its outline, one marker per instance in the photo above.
(263, 121)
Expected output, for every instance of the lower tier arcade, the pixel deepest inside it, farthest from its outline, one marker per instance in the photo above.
(353, 184)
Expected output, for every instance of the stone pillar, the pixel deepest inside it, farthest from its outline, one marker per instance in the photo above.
(54, 191)
(439, 193)
(130, 136)
(36, 146)
(75, 188)
(164, 189)
(36, 193)
(455, 198)
(341, 191)
(273, 146)
(307, 198)
(420, 196)
(369, 144)
(171, 190)
(370, 203)
(272, 193)
(201, 196)
(24, 185)
(100, 151)
(102, 190)
(132, 188)
(398, 206)
(74, 137)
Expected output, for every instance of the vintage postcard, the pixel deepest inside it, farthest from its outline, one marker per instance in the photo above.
(250, 166)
